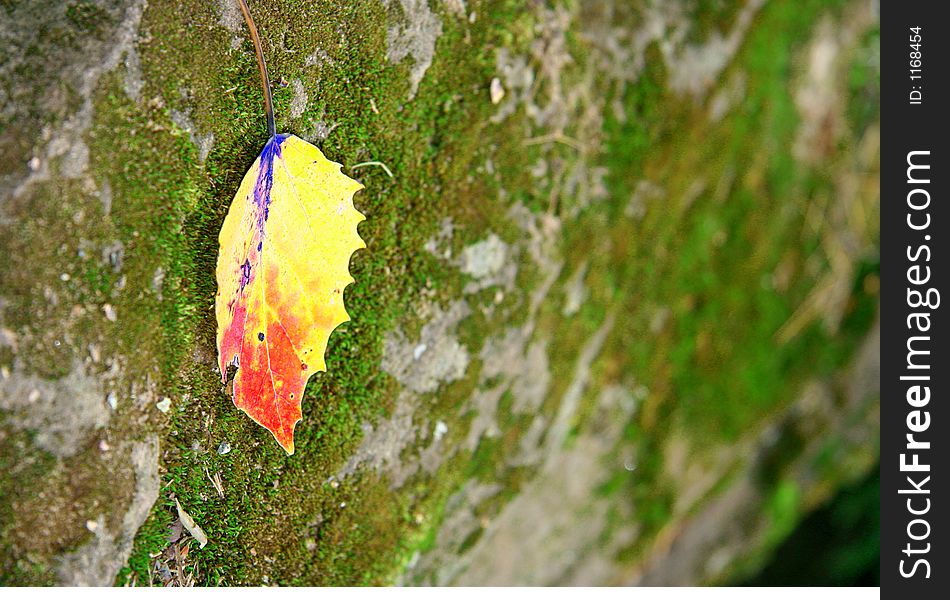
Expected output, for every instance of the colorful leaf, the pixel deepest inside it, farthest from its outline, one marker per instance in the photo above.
(283, 264)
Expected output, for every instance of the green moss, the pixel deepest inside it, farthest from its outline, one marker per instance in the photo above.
(782, 507)
(864, 83)
(715, 367)
(153, 533)
(28, 568)
(839, 544)
(86, 16)
(712, 17)
(415, 140)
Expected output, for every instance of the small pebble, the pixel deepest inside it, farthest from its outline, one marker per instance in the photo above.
(418, 351)
(112, 400)
(440, 430)
(109, 311)
(224, 448)
(164, 404)
(496, 90)
(92, 525)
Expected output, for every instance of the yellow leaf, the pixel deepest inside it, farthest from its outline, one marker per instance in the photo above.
(283, 264)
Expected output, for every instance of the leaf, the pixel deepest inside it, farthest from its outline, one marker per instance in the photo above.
(192, 527)
(283, 264)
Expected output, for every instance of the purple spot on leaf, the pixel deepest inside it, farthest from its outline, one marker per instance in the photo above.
(265, 178)
(245, 274)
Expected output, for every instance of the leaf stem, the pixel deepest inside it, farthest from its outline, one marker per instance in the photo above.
(268, 101)
(376, 163)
